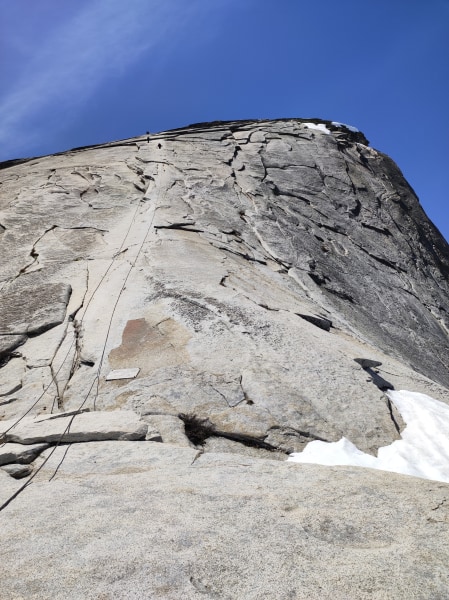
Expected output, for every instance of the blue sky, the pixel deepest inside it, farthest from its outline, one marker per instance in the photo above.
(79, 72)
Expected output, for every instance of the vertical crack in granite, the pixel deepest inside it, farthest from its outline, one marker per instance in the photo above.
(393, 415)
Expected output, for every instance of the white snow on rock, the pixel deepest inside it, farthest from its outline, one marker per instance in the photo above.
(318, 126)
(350, 127)
(422, 452)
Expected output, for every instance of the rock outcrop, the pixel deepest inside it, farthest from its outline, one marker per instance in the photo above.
(254, 286)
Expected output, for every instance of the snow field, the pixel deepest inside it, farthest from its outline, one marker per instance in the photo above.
(422, 451)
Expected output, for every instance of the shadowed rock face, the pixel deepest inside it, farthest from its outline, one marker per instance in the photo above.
(254, 286)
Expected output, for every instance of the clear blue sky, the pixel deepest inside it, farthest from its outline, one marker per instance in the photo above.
(79, 72)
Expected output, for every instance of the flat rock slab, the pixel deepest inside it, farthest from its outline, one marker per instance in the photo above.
(122, 374)
(18, 453)
(30, 306)
(9, 342)
(170, 428)
(84, 427)
(18, 471)
(144, 520)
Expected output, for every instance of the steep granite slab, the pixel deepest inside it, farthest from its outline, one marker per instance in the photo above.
(242, 267)
(84, 427)
(269, 281)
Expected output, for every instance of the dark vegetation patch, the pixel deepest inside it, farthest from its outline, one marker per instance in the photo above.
(198, 430)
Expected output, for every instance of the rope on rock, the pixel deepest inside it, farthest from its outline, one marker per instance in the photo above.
(54, 377)
(97, 377)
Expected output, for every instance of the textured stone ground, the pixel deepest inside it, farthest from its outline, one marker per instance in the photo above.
(147, 520)
(269, 282)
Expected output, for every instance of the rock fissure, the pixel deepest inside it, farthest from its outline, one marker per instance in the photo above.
(240, 254)
(33, 253)
(63, 415)
(302, 433)
(392, 415)
(180, 227)
(440, 504)
(57, 400)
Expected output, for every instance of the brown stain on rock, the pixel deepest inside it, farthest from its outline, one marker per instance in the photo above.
(151, 343)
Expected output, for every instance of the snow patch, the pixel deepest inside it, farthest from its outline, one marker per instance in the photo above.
(422, 451)
(353, 129)
(318, 126)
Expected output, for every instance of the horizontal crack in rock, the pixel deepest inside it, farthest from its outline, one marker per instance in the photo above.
(320, 322)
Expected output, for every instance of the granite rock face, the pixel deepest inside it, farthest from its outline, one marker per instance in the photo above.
(267, 281)
(146, 520)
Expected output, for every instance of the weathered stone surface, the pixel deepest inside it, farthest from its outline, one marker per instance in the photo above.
(146, 520)
(13, 373)
(219, 444)
(18, 453)
(8, 343)
(270, 280)
(242, 267)
(36, 394)
(84, 427)
(29, 306)
(170, 429)
(18, 471)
